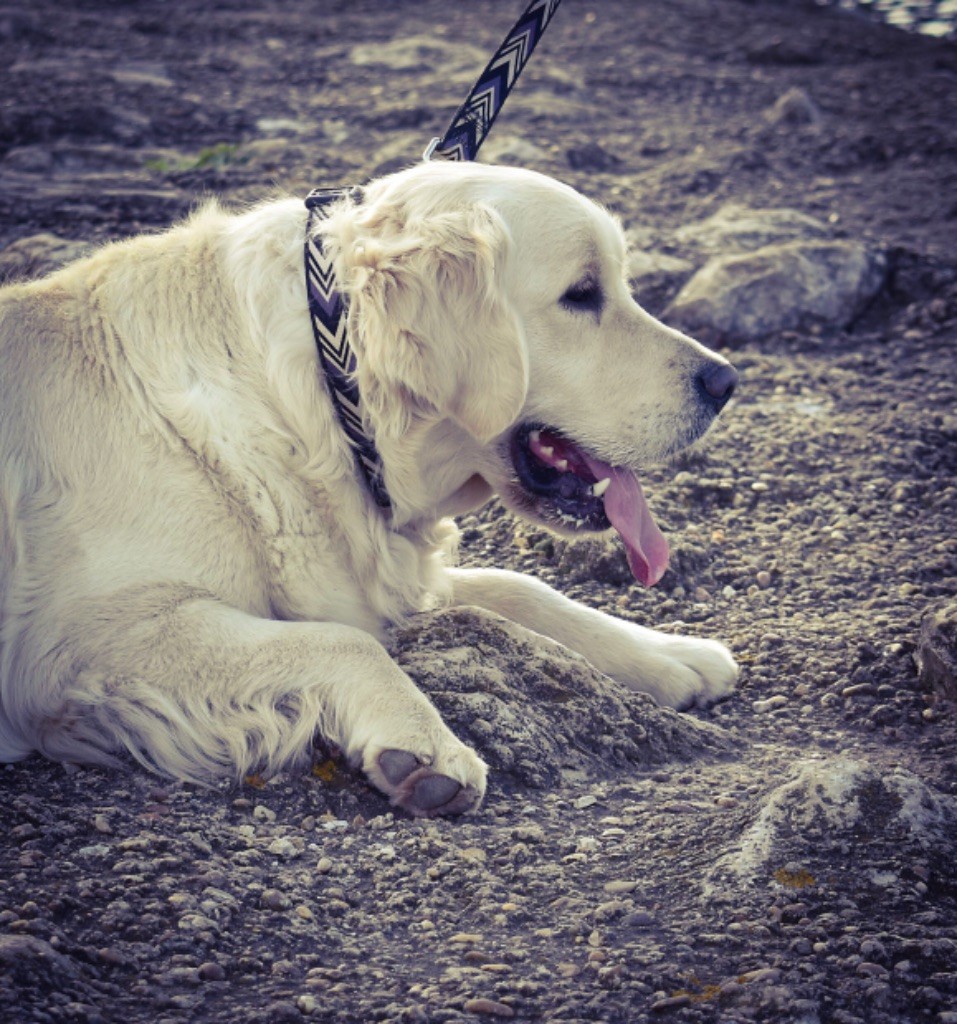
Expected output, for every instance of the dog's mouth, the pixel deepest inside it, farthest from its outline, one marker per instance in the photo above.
(571, 489)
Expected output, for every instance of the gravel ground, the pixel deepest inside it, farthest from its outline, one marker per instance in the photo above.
(788, 855)
(931, 17)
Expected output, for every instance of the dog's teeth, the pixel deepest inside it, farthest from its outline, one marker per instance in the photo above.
(535, 436)
(599, 489)
(547, 451)
(561, 465)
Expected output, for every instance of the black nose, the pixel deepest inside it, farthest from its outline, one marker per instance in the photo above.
(716, 383)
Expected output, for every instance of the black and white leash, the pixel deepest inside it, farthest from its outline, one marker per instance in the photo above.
(474, 119)
(461, 141)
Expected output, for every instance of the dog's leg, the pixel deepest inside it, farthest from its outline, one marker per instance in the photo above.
(196, 688)
(677, 671)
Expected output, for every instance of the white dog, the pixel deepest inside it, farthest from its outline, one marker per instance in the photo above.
(191, 568)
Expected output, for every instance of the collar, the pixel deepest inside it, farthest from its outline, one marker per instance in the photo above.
(326, 305)
(330, 328)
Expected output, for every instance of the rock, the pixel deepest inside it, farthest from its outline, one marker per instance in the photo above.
(936, 654)
(413, 53)
(592, 157)
(307, 1004)
(488, 1008)
(611, 910)
(736, 228)
(655, 277)
(646, 264)
(535, 710)
(510, 149)
(197, 923)
(95, 850)
(792, 286)
(273, 899)
(778, 700)
(794, 108)
(670, 1003)
(283, 1013)
(282, 126)
(32, 962)
(39, 254)
(149, 73)
(835, 803)
(602, 560)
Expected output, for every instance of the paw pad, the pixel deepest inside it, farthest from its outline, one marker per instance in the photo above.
(421, 790)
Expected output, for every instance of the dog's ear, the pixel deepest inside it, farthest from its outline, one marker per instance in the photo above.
(429, 320)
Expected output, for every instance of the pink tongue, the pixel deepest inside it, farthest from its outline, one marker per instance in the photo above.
(628, 512)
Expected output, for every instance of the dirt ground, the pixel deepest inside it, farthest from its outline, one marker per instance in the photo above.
(812, 533)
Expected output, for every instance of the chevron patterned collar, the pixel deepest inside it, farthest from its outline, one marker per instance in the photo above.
(461, 141)
(330, 329)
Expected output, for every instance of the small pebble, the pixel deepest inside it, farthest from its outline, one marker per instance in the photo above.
(273, 899)
(618, 887)
(760, 975)
(284, 848)
(638, 919)
(670, 1003)
(488, 1007)
(307, 1004)
(779, 700)
(872, 970)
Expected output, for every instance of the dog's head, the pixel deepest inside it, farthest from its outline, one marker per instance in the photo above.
(500, 350)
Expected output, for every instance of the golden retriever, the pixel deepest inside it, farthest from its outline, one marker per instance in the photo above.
(191, 569)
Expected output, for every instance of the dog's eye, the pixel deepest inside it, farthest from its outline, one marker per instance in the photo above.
(585, 296)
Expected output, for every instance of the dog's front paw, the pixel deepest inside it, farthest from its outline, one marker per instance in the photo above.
(686, 671)
(450, 781)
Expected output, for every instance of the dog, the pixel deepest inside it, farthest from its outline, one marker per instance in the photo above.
(193, 571)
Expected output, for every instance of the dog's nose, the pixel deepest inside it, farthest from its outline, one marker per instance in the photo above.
(716, 384)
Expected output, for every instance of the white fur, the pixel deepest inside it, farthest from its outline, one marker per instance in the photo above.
(190, 569)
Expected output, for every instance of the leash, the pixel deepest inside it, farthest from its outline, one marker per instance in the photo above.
(474, 119)
(461, 141)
